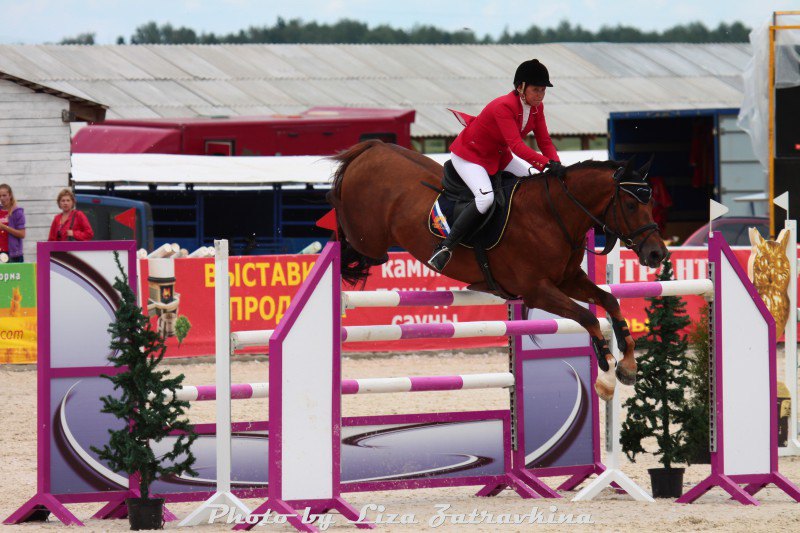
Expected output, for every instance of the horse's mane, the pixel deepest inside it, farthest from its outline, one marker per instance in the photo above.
(596, 165)
(344, 159)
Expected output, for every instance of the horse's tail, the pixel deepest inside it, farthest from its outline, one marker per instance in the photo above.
(355, 266)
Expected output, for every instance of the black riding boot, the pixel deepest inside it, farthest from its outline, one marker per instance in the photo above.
(465, 224)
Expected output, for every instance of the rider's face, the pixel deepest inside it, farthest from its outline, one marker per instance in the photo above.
(534, 94)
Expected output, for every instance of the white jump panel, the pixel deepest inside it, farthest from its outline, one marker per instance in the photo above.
(748, 409)
(307, 367)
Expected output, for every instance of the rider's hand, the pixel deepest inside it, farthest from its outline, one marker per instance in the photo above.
(556, 168)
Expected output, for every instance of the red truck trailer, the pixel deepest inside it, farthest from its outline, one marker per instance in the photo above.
(317, 131)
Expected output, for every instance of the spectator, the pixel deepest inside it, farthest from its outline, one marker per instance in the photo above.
(70, 224)
(12, 225)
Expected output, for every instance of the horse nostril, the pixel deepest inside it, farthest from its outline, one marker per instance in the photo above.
(656, 257)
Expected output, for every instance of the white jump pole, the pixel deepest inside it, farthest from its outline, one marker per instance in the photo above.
(223, 496)
(613, 473)
(359, 299)
(790, 333)
(454, 330)
(250, 391)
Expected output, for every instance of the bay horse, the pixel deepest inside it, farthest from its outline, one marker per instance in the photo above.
(380, 202)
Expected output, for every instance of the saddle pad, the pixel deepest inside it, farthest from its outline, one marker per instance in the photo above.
(488, 236)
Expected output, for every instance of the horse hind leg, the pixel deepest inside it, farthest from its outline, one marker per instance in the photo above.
(546, 296)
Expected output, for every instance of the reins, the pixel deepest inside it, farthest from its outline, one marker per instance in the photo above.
(611, 235)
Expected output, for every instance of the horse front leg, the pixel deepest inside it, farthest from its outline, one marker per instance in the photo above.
(545, 295)
(581, 288)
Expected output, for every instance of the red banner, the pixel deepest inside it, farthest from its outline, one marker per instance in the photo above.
(403, 272)
(262, 288)
(687, 263)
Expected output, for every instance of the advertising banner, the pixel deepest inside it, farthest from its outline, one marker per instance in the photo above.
(687, 263)
(180, 297)
(17, 313)
(178, 294)
(403, 272)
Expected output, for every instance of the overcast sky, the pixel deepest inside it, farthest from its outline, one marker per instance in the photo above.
(40, 21)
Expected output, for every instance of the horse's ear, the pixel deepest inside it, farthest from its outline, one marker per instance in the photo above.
(646, 168)
(627, 169)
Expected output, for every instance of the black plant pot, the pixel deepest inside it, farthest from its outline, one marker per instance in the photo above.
(666, 482)
(145, 513)
(40, 514)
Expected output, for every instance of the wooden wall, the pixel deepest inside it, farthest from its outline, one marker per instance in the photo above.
(34, 155)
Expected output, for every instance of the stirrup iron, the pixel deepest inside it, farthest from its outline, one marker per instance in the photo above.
(441, 256)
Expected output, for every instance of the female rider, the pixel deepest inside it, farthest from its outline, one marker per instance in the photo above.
(489, 143)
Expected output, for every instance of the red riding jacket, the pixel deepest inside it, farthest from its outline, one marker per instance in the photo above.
(489, 138)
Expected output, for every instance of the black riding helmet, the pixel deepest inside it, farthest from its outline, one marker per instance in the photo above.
(532, 72)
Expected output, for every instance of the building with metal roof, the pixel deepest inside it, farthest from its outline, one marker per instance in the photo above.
(591, 79)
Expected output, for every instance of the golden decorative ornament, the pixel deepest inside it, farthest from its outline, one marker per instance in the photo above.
(769, 270)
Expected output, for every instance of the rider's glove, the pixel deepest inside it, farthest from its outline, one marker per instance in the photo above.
(556, 168)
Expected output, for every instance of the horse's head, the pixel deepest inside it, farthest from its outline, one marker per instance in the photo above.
(630, 214)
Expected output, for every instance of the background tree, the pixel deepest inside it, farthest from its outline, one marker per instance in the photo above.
(141, 401)
(659, 399)
(81, 38)
(696, 421)
(355, 32)
(152, 33)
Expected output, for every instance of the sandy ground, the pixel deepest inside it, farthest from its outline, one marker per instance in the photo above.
(610, 512)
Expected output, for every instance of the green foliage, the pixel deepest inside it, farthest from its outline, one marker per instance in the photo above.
(659, 401)
(182, 327)
(141, 401)
(152, 33)
(695, 424)
(353, 31)
(81, 38)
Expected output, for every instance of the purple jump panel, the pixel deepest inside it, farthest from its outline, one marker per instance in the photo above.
(558, 427)
(76, 303)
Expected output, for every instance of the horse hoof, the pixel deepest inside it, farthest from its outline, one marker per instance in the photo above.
(604, 386)
(626, 377)
(603, 392)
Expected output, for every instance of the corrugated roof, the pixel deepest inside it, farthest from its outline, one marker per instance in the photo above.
(591, 79)
(72, 96)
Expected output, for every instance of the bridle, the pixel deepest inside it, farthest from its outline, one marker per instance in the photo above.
(641, 192)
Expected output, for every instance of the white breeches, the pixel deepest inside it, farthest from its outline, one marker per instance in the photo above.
(477, 179)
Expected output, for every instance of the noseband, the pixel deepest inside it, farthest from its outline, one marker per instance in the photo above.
(641, 191)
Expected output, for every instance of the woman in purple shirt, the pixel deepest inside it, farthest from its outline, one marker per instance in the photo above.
(15, 227)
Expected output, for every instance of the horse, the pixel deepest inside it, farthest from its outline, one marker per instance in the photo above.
(379, 199)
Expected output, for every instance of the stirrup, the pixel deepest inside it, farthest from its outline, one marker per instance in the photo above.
(441, 256)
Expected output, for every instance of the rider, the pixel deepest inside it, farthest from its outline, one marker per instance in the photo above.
(489, 143)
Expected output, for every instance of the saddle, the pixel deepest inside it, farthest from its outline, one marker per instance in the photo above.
(454, 196)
